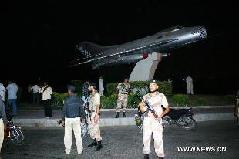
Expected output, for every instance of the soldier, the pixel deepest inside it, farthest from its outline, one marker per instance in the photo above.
(152, 122)
(85, 91)
(94, 108)
(122, 101)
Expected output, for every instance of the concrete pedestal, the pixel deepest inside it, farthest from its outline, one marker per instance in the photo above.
(144, 69)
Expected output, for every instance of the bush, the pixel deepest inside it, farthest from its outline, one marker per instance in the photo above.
(164, 87)
(58, 99)
(111, 88)
(209, 100)
(181, 100)
(139, 84)
(133, 101)
(139, 87)
(108, 102)
(199, 101)
(78, 84)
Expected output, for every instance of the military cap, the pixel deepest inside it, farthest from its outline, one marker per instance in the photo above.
(153, 81)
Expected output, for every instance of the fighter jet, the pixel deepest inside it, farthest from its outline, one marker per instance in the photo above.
(131, 52)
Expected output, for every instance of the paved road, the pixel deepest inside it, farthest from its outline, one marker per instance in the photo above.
(126, 143)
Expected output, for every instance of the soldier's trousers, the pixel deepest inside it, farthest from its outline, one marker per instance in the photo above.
(1, 133)
(72, 124)
(122, 102)
(94, 128)
(152, 126)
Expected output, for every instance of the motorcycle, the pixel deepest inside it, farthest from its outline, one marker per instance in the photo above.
(181, 117)
(13, 133)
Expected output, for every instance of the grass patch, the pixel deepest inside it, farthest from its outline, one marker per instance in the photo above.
(200, 100)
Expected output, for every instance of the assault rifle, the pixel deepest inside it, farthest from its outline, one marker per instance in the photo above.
(148, 105)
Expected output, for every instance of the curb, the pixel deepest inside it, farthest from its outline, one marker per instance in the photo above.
(115, 122)
(131, 109)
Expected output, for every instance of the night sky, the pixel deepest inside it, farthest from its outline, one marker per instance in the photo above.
(39, 39)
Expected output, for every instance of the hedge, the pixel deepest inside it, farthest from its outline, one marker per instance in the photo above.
(141, 88)
(58, 99)
(78, 84)
(181, 100)
(164, 87)
(109, 102)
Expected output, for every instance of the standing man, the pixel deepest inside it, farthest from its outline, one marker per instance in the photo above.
(122, 101)
(94, 108)
(152, 122)
(85, 90)
(12, 89)
(72, 113)
(35, 94)
(46, 91)
(2, 92)
(101, 86)
(3, 121)
(189, 81)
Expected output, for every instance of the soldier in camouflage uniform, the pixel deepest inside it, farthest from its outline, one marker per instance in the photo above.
(152, 122)
(122, 101)
(85, 91)
(94, 108)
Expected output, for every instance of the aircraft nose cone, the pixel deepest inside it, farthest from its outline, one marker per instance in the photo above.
(203, 32)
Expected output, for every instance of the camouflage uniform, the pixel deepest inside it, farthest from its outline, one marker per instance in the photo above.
(122, 100)
(153, 125)
(94, 129)
(85, 91)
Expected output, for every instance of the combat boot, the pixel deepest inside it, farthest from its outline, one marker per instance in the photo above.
(94, 143)
(124, 114)
(146, 156)
(117, 115)
(99, 146)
